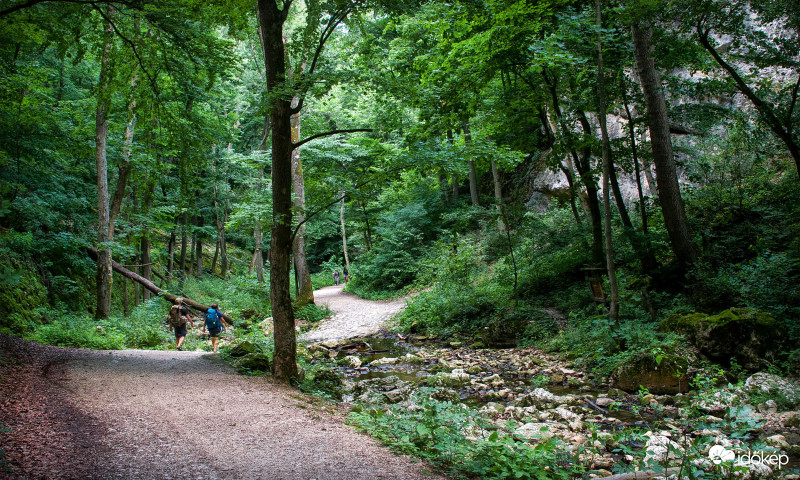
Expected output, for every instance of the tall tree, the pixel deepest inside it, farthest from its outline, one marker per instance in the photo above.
(103, 209)
(669, 194)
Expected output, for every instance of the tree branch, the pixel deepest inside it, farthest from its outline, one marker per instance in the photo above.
(339, 199)
(327, 134)
(31, 3)
(125, 39)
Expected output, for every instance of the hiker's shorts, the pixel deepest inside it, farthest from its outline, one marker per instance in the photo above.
(214, 332)
(180, 331)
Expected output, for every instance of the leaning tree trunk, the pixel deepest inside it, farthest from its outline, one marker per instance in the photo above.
(151, 287)
(305, 291)
(101, 136)
(669, 194)
(271, 20)
(613, 311)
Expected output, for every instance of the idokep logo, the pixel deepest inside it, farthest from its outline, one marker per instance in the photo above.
(719, 454)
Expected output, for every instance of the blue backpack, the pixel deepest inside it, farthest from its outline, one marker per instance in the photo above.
(212, 320)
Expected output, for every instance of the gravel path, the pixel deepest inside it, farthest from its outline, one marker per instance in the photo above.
(354, 317)
(139, 414)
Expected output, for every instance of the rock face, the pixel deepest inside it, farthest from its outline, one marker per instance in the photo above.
(747, 335)
(666, 377)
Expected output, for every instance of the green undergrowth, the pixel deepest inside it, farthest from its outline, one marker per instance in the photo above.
(459, 440)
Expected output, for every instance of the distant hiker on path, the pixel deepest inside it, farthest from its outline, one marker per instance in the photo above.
(336, 277)
(178, 316)
(215, 324)
(346, 276)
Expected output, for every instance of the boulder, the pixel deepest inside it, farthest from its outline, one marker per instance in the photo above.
(745, 334)
(329, 383)
(253, 362)
(385, 361)
(446, 395)
(456, 378)
(350, 361)
(667, 376)
(244, 348)
(535, 431)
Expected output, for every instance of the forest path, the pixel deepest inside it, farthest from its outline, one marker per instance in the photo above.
(140, 414)
(353, 316)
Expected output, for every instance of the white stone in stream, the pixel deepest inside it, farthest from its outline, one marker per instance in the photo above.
(385, 361)
(352, 361)
(604, 402)
(459, 376)
(660, 449)
(535, 431)
(778, 441)
(566, 415)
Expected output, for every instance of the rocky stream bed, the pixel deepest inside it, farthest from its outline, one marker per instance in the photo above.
(542, 397)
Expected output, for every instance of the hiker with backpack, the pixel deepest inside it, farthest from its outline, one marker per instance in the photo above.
(215, 324)
(178, 316)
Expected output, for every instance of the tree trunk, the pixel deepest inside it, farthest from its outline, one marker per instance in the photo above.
(147, 267)
(669, 194)
(368, 232)
(498, 197)
(344, 234)
(171, 248)
(473, 177)
(613, 311)
(222, 245)
(184, 242)
(305, 291)
(453, 177)
(258, 256)
(126, 307)
(103, 210)
(198, 271)
(635, 155)
(271, 20)
(584, 165)
(216, 255)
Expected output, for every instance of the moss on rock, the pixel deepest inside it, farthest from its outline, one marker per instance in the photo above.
(665, 373)
(743, 334)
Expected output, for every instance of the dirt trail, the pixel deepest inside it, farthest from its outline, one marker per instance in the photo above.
(354, 317)
(165, 414)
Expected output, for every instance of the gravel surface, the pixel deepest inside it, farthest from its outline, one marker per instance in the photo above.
(139, 414)
(354, 317)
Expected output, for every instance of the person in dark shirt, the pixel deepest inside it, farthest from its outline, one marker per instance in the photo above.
(178, 316)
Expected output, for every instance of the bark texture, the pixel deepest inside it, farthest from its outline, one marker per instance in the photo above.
(271, 20)
(669, 194)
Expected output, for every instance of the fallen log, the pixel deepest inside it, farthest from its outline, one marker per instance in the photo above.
(152, 286)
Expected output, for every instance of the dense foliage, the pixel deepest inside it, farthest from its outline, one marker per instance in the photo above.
(475, 186)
